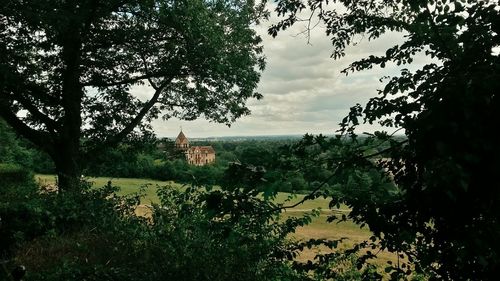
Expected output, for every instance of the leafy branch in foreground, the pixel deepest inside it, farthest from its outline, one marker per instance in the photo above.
(445, 217)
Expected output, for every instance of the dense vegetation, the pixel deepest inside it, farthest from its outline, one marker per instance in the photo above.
(444, 213)
(81, 224)
(427, 197)
(157, 159)
(70, 68)
(225, 234)
(17, 150)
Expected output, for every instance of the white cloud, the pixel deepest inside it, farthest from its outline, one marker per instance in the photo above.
(304, 91)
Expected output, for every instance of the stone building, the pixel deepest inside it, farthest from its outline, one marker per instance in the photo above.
(200, 155)
(181, 142)
(195, 155)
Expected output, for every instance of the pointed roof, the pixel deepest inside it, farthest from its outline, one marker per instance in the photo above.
(202, 149)
(181, 138)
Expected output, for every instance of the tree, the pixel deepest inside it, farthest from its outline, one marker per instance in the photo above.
(68, 68)
(445, 215)
(10, 150)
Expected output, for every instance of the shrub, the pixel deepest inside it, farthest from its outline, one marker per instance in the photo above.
(13, 177)
(190, 235)
(229, 233)
(20, 214)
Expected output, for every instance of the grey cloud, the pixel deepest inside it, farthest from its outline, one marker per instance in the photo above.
(304, 91)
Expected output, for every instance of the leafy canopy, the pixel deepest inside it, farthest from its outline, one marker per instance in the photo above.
(445, 215)
(68, 69)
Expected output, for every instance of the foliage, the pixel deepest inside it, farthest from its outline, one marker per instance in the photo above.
(18, 214)
(17, 150)
(95, 235)
(10, 150)
(148, 160)
(13, 175)
(444, 214)
(195, 234)
(341, 266)
(72, 67)
(220, 234)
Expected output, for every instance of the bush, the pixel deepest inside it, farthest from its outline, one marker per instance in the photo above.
(13, 176)
(81, 234)
(215, 235)
(226, 234)
(190, 235)
(20, 214)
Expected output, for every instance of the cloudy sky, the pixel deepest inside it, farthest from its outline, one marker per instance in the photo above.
(304, 91)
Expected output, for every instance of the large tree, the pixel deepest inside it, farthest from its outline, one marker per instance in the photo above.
(67, 69)
(445, 213)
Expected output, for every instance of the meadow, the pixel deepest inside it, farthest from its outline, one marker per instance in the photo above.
(319, 228)
(131, 185)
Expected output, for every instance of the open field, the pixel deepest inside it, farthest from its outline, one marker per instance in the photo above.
(131, 185)
(127, 185)
(318, 229)
(321, 229)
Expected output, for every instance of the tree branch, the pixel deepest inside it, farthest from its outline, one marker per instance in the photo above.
(123, 82)
(311, 194)
(115, 83)
(146, 68)
(112, 140)
(46, 120)
(39, 138)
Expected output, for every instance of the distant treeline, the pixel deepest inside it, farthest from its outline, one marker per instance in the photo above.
(157, 159)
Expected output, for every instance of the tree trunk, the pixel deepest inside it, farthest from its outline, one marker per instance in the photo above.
(68, 152)
(67, 167)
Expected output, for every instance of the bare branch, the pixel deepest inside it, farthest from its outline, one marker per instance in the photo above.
(312, 193)
(309, 27)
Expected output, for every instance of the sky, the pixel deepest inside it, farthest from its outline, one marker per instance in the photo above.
(303, 89)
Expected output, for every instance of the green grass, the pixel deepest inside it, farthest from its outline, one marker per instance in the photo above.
(127, 185)
(131, 185)
(318, 229)
(291, 199)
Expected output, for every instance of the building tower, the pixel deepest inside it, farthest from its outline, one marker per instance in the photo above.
(181, 142)
(195, 155)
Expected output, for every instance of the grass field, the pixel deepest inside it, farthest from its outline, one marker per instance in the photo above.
(131, 185)
(318, 229)
(127, 185)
